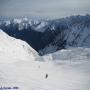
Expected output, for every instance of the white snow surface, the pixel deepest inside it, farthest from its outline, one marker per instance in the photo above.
(67, 69)
(14, 49)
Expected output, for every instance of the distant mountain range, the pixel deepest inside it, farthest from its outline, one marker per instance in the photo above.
(47, 36)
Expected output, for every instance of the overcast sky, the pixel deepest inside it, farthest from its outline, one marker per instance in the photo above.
(44, 8)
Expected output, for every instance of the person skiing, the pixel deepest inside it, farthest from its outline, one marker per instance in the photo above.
(46, 76)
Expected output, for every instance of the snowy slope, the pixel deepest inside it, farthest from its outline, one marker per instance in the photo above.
(74, 54)
(67, 69)
(12, 49)
(64, 73)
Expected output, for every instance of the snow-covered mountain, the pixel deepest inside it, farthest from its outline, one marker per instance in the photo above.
(76, 36)
(30, 31)
(24, 23)
(73, 33)
(21, 68)
(47, 36)
(12, 50)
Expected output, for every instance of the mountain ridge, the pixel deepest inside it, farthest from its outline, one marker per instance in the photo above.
(13, 50)
(41, 34)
